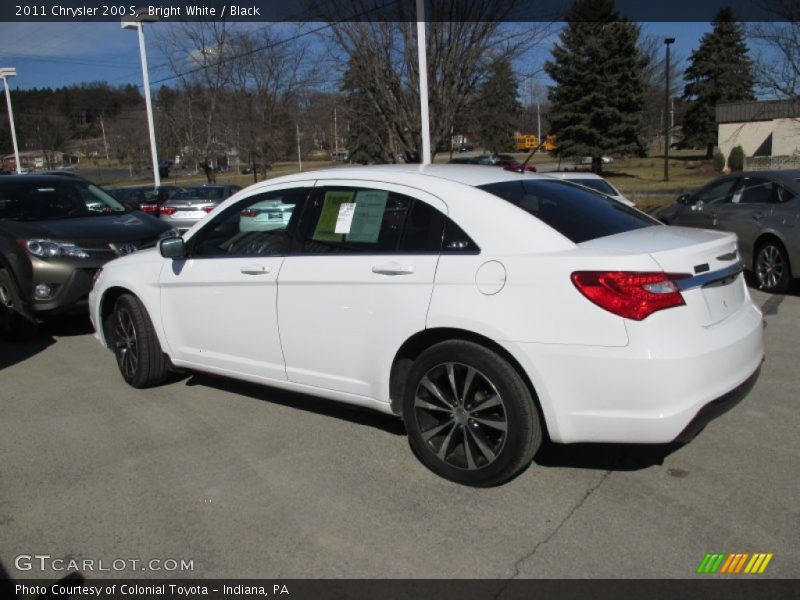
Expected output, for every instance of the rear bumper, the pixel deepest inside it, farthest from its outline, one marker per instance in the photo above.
(655, 390)
(717, 407)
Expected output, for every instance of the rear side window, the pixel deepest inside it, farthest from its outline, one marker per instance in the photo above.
(576, 213)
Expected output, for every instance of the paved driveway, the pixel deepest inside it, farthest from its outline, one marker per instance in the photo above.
(250, 482)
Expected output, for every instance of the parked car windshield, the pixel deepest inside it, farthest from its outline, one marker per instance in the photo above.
(37, 201)
(200, 193)
(575, 212)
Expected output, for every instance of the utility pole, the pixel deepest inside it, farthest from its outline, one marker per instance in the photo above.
(335, 134)
(538, 125)
(299, 157)
(105, 142)
(667, 43)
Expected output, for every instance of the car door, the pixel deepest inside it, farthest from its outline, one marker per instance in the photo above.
(704, 207)
(218, 305)
(358, 282)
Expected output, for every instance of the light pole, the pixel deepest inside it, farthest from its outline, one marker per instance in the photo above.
(137, 23)
(5, 73)
(667, 42)
(422, 59)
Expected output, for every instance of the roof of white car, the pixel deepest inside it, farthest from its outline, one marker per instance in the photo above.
(472, 175)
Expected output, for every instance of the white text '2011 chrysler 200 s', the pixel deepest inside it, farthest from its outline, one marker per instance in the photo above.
(488, 308)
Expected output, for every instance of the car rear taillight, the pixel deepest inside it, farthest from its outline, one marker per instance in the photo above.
(167, 210)
(208, 209)
(632, 295)
(149, 208)
(250, 213)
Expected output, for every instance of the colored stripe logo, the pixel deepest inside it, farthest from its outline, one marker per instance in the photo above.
(734, 563)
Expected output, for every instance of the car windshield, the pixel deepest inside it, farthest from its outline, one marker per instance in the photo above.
(44, 200)
(574, 212)
(200, 193)
(596, 184)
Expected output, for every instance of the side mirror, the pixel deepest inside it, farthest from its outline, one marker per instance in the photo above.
(697, 205)
(172, 247)
(683, 199)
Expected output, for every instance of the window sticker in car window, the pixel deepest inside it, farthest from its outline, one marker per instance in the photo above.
(325, 230)
(344, 220)
(366, 222)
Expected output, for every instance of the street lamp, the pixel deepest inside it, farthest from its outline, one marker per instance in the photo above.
(6, 72)
(667, 136)
(137, 22)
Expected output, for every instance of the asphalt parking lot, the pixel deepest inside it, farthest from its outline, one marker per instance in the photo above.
(252, 482)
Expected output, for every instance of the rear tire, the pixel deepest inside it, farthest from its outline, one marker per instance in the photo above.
(469, 415)
(14, 325)
(771, 267)
(135, 344)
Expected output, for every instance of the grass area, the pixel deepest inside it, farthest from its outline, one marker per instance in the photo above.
(640, 179)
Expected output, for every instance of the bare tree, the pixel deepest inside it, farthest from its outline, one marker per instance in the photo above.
(462, 39)
(777, 65)
(199, 55)
(269, 74)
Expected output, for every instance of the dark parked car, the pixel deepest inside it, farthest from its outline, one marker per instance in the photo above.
(762, 208)
(55, 233)
(190, 205)
(145, 198)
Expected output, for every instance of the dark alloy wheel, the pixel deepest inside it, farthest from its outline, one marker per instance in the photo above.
(469, 415)
(132, 338)
(772, 268)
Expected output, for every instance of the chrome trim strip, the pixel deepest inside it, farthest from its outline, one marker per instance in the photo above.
(706, 278)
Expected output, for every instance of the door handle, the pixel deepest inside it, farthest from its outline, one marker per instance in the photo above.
(255, 270)
(393, 268)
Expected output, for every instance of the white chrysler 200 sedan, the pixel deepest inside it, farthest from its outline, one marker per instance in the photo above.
(487, 308)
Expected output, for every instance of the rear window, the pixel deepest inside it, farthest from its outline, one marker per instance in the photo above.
(576, 213)
(596, 184)
(202, 193)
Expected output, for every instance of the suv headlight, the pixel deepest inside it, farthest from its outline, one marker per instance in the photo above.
(50, 249)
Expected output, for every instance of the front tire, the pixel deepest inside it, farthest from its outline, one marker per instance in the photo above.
(469, 415)
(135, 344)
(771, 267)
(14, 325)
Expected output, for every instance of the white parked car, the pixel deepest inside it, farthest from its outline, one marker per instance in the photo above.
(488, 308)
(592, 181)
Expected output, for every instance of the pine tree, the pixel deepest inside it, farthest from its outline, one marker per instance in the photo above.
(366, 138)
(497, 107)
(597, 103)
(720, 71)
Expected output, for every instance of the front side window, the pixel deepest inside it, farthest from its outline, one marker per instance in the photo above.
(717, 193)
(256, 226)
